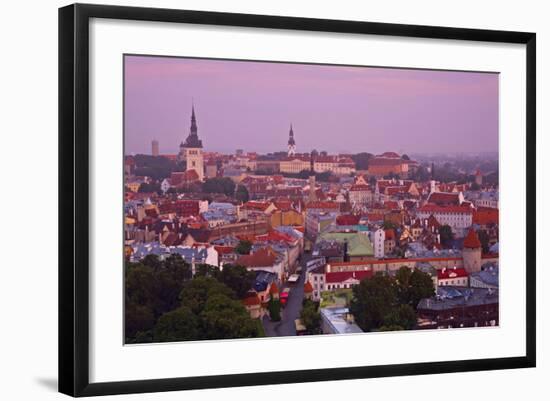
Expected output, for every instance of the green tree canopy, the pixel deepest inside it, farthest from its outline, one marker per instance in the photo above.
(242, 194)
(372, 300)
(237, 278)
(149, 187)
(484, 239)
(362, 160)
(274, 307)
(224, 317)
(178, 325)
(243, 247)
(219, 185)
(446, 234)
(310, 316)
(402, 316)
(196, 292)
(412, 286)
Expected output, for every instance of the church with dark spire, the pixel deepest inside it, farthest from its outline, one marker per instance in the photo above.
(191, 148)
(291, 143)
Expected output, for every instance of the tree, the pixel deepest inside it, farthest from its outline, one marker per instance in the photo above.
(405, 157)
(242, 194)
(484, 239)
(475, 186)
(237, 278)
(402, 316)
(243, 247)
(156, 167)
(446, 234)
(169, 282)
(274, 308)
(139, 283)
(196, 292)
(137, 318)
(390, 328)
(421, 174)
(219, 185)
(205, 270)
(412, 286)
(421, 286)
(362, 160)
(373, 299)
(178, 325)
(310, 316)
(147, 188)
(152, 261)
(224, 317)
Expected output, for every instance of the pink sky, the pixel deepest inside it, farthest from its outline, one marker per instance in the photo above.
(250, 105)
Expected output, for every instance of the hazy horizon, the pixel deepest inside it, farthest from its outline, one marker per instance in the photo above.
(340, 109)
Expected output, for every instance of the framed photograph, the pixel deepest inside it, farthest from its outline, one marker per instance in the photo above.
(341, 195)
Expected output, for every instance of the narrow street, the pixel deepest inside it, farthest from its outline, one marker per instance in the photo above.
(292, 310)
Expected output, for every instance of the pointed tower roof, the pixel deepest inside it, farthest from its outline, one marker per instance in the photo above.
(291, 136)
(193, 140)
(308, 288)
(472, 240)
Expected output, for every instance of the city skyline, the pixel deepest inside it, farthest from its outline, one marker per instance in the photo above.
(333, 108)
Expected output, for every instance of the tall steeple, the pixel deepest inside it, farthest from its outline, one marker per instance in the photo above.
(193, 140)
(291, 143)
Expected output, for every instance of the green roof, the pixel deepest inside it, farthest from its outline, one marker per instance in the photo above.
(358, 244)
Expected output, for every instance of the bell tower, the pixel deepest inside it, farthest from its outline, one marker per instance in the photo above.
(191, 149)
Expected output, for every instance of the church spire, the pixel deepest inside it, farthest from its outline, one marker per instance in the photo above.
(193, 140)
(291, 142)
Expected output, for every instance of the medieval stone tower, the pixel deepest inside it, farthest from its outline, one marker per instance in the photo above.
(471, 254)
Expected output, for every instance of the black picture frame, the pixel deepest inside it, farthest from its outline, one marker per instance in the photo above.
(74, 200)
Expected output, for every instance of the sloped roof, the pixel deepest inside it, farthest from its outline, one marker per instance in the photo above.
(472, 240)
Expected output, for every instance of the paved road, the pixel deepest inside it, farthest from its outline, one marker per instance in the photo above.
(292, 309)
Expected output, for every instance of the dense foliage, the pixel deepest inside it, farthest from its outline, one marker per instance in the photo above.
(156, 167)
(219, 185)
(165, 303)
(384, 303)
(310, 316)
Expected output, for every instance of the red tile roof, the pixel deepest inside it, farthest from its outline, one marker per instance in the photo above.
(446, 273)
(261, 258)
(252, 299)
(275, 236)
(322, 205)
(224, 249)
(339, 277)
(485, 215)
(429, 208)
(254, 205)
(444, 198)
(308, 287)
(392, 155)
(472, 240)
(359, 187)
(347, 220)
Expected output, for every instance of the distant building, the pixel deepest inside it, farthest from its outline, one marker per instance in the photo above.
(487, 277)
(291, 143)
(191, 149)
(459, 218)
(338, 320)
(155, 148)
(455, 307)
(379, 237)
(388, 163)
(471, 252)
